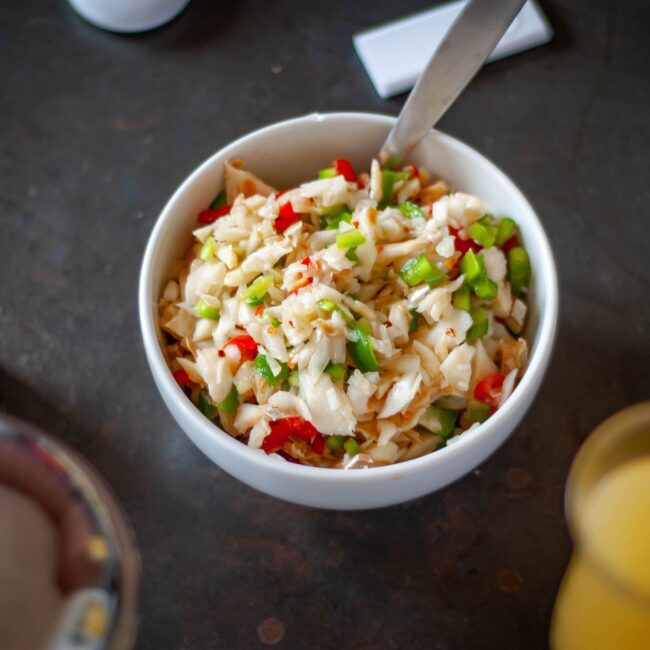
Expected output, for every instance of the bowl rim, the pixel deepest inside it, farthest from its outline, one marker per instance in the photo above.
(530, 382)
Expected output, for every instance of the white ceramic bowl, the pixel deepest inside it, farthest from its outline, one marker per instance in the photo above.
(285, 154)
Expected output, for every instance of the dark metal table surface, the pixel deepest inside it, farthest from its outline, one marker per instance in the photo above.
(98, 129)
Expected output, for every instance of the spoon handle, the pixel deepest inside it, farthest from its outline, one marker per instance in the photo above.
(461, 53)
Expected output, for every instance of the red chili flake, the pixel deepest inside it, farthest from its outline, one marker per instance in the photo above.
(361, 182)
(300, 284)
(286, 217)
(306, 261)
(511, 243)
(209, 216)
(181, 377)
(221, 353)
(246, 344)
(415, 172)
(344, 168)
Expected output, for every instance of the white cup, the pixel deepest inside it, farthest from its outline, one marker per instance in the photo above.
(128, 16)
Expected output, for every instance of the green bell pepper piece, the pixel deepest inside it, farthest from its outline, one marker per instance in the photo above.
(219, 201)
(483, 235)
(349, 239)
(275, 322)
(415, 321)
(333, 224)
(331, 211)
(205, 404)
(206, 311)
(361, 349)
(335, 370)
(256, 292)
(328, 172)
(334, 215)
(420, 269)
(334, 443)
(263, 369)
(485, 289)
(389, 178)
(477, 411)
(506, 228)
(439, 421)
(411, 210)
(480, 325)
(230, 404)
(327, 305)
(208, 249)
(351, 446)
(519, 270)
(330, 306)
(462, 298)
(387, 184)
(472, 266)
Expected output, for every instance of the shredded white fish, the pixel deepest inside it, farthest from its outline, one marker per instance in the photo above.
(321, 323)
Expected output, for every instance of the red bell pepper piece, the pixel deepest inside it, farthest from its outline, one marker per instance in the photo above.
(463, 245)
(209, 216)
(511, 243)
(287, 216)
(318, 444)
(181, 377)
(488, 390)
(296, 427)
(344, 168)
(246, 344)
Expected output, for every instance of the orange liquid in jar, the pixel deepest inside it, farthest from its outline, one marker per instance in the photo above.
(604, 600)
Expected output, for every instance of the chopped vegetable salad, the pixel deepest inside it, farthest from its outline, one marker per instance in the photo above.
(353, 321)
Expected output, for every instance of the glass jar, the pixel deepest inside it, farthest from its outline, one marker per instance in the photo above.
(604, 598)
(97, 567)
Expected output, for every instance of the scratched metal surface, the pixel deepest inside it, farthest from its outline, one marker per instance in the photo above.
(98, 129)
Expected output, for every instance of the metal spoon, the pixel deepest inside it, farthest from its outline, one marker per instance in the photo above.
(461, 53)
